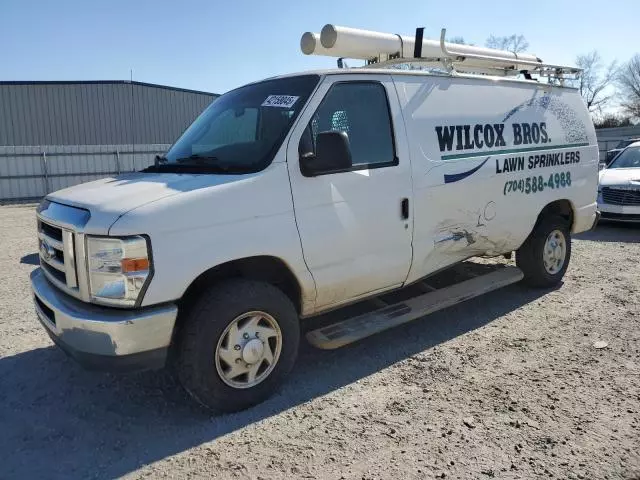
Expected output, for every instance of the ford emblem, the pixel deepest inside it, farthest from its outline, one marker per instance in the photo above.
(47, 252)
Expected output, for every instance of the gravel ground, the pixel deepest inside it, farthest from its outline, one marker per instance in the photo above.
(508, 385)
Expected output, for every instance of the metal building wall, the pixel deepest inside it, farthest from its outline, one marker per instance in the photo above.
(58, 134)
(28, 172)
(609, 138)
(95, 113)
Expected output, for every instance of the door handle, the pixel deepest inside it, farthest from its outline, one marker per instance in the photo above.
(404, 209)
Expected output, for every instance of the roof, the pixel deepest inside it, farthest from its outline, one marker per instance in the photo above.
(104, 82)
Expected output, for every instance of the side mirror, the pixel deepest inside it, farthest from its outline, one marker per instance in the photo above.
(333, 154)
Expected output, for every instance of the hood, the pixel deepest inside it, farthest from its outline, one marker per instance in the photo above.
(110, 198)
(619, 176)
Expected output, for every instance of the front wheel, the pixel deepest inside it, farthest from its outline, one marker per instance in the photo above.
(238, 344)
(544, 256)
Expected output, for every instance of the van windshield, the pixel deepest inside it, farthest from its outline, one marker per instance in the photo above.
(629, 158)
(241, 131)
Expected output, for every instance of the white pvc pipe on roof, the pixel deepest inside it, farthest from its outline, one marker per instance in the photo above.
(310, 44)
(337, 41)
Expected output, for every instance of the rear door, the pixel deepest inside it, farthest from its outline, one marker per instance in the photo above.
(355, 225)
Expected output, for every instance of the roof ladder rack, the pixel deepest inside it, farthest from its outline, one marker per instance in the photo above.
(380, 50)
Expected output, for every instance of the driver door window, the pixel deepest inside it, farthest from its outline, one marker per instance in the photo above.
(361, 111)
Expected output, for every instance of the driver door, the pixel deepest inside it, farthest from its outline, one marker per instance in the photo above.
(355, 226)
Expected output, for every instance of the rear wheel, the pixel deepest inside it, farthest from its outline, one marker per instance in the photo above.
(544, 256)
(238, 344)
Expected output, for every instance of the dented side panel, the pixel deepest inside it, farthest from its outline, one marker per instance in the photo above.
(486, 158)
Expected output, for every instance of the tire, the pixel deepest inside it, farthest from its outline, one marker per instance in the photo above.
(530, 257)
(208, 337)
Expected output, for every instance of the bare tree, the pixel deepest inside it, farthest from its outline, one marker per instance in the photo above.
(595, 79)
(458, 40)
(513, 43)
(629, 84)
(610, 120)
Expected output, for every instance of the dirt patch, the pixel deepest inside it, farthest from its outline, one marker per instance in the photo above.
(508, 385)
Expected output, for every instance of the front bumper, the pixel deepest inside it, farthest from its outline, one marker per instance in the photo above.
(619, 213)
(104, 338)
(585, 218)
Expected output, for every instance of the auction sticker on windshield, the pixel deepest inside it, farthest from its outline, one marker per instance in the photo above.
(282, 101)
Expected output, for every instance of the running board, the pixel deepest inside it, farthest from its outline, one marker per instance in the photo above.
(356, 328)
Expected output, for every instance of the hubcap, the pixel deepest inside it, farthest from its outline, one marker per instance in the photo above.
(248, 349)
(252, 351)
(555, 252)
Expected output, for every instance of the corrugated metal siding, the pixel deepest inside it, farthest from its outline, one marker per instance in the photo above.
(609, 138)
(28, 172)
(618, 133)
(98, 113)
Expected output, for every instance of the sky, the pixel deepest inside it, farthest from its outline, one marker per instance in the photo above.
(218, 45)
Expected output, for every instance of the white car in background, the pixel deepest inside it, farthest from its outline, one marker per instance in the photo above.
(619, 187)
(620, 147)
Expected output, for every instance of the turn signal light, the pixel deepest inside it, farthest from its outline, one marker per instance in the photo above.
(134, 264)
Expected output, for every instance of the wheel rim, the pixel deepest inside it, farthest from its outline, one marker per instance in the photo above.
(555, 252)
(248, 349)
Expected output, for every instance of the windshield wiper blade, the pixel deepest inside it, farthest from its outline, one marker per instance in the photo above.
(208, 161)
(196, 159)
(194, 163)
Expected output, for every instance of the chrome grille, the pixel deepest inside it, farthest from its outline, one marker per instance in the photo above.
(621, 196)
(61, 247)
(56, 248)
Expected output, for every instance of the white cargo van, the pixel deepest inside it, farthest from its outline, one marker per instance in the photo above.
(300, 194)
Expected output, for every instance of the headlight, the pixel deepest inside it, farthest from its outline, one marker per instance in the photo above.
(119, 269)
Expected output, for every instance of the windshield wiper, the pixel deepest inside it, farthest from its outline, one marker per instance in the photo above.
(208, 161)
(192, 164)
(197, 159)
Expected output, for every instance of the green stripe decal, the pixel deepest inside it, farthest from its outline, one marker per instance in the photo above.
(512, 150)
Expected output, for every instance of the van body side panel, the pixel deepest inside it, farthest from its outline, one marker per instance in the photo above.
(487, 156)
(196, 230)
